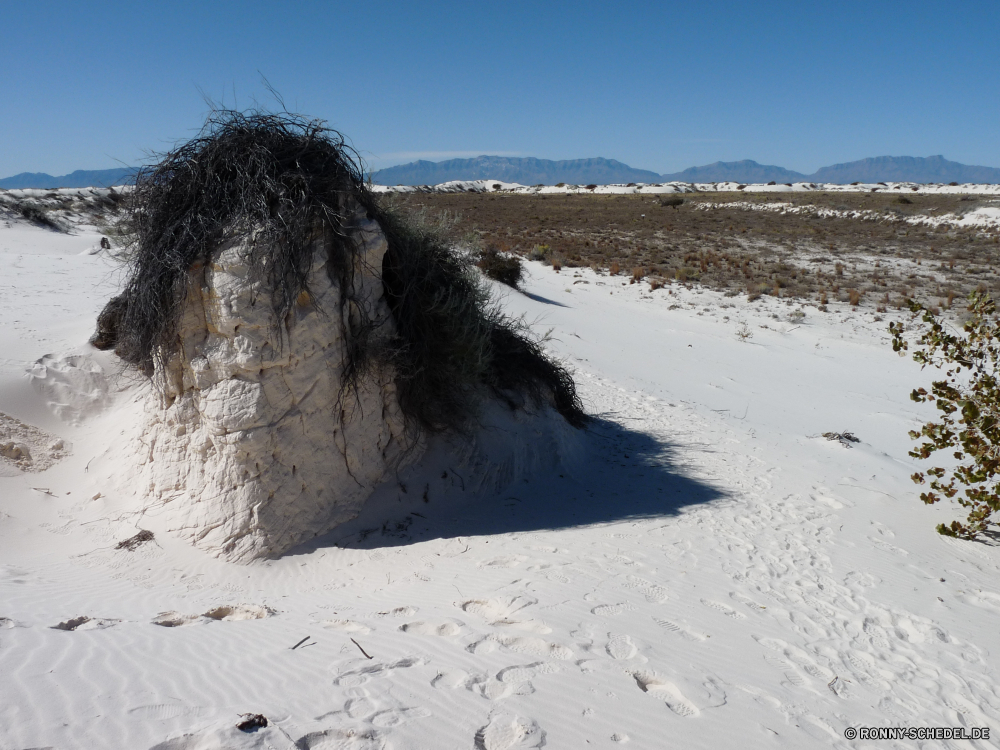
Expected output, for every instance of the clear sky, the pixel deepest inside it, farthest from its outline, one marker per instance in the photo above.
(658, 85)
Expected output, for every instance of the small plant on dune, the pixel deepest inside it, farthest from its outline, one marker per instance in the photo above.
(615, 268)
(539, 252)
(743, 331)
(503, 267)
(968, 399)
(38, 216)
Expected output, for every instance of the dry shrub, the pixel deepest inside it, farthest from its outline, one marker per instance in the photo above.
(556, 263)
(854, 297)
(615, 268)
(39, 216)
(503, 267)
(294, 186)
(638, 274)
(539, 252)
(655, 284)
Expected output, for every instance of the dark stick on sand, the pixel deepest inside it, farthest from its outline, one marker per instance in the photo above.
(362, 650)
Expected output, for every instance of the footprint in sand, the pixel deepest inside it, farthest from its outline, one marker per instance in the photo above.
(746, 602)
(175, 620)
(720, 607)
(611, 610)
(164, 711)
(358, 677)
(348, 626)
(620, 647)
(509, 561)
(226, 613)
(397, 612)
(896, 710)
(86, 623)
(453, 679)
(505, 612)
(526, 672)
(667, 692)
(521, 645)
(75, 386)
(396, 716)
(342, 738)
(230, 613)
(865, 580)
(654, 593)
(787, 670)
(886, 547)
(683, 632)
(509, 732)
(797, 657)
(359, 708)
(448, 629)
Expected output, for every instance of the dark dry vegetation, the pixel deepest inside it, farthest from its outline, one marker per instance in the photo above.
(54, 209)
(293, 186)
(874, 263)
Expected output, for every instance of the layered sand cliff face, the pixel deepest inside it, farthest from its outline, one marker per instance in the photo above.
(251, 443)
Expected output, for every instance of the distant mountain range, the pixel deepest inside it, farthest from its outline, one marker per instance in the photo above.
(526, 171)
(79, 178)
(530, 171)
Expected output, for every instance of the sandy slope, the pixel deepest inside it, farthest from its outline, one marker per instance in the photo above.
(703, 570)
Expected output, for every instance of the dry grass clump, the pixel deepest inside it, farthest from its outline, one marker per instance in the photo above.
(499, 266)
(39, 216)
(293, 186)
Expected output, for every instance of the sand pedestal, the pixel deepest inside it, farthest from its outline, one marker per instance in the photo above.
(251, 443)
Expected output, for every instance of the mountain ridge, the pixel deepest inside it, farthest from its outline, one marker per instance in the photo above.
(78, 179)
(532, 171)
(598, 170)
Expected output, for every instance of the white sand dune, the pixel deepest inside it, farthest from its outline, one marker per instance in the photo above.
(704, 571)
(489, 186)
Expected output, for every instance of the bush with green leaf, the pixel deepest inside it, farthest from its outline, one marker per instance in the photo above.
(968, 399)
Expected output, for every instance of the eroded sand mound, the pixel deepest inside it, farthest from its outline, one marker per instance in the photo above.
(24, 447)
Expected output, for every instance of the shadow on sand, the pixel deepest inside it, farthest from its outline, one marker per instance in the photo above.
(539, 298)
(618, 475)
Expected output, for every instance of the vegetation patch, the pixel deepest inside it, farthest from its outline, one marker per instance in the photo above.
(294, 186)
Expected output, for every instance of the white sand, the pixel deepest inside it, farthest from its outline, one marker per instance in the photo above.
(488, 186)
(707, 572)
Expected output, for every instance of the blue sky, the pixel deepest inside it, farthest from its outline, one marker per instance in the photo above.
(658, 85)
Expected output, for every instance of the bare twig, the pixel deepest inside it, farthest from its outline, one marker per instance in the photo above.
(362, 650)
